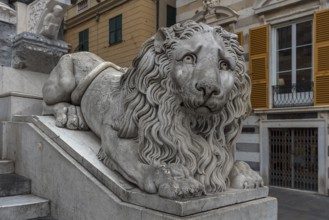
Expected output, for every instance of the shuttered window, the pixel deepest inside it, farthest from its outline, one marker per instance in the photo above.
(115, 30)
(321, 57)
(258, 66)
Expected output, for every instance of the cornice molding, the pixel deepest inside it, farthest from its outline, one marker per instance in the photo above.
(265, 7)
(92, 12)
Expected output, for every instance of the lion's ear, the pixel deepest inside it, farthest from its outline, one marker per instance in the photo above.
(160, 37)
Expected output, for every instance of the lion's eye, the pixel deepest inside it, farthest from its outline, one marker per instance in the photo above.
(189, 59)
(223, 65)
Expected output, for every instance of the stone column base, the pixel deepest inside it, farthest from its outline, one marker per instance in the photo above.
(36, 53)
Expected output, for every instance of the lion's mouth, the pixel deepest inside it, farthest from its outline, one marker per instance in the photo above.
(201, 109)
(204, 110)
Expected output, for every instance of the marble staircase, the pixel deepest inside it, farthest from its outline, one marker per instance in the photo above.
(16, 200)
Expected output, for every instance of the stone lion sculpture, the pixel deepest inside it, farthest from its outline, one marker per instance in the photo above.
(168, 123)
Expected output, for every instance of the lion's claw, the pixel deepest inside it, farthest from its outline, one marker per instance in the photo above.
(61, 117)
(174, 181)
(243, 177)
(71, 118)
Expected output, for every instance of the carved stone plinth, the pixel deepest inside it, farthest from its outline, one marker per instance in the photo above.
(36, 53)
(118, 197)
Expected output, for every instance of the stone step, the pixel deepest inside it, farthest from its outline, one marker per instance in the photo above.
(6, 166)
(23, 207)
(13, 184)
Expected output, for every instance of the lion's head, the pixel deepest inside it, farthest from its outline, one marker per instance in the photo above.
(185, 97)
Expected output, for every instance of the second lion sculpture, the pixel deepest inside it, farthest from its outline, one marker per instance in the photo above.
(168, 123)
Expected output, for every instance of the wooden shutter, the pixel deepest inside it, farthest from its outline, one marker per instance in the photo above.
(321, 58)
(240, 38)
(258, 66)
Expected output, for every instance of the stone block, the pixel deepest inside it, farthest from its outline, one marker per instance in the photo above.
(21, 82)
(18, 104)
(6, 166)
(76, 194)
(36, 53)
(13, 184)
(23, 207)
(84, 146)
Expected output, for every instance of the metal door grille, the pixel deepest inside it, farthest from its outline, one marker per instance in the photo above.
(294, 158)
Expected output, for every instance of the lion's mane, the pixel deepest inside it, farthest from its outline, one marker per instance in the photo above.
(167, 134)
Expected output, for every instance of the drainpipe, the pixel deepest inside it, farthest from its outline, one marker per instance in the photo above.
(157, 14)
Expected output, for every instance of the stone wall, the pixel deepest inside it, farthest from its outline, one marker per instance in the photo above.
(7, 32)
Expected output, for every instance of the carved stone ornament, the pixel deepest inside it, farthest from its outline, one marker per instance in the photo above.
(51, 22)
(169, 123)
(278, 11)
(209, 5)
(35, 11)
(45, 16)
(215, 14)
(7, 14)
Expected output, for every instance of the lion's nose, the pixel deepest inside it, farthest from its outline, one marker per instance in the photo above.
(208, 89)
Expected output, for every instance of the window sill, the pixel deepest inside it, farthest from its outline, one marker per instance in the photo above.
(116, 43)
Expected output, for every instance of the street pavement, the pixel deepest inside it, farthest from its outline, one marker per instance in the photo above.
(300, 205)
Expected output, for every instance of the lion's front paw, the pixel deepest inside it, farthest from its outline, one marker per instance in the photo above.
(174, 181)
(243, 177)
(71, 118)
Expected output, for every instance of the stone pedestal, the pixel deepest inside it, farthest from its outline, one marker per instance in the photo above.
(65, 169)
(36, 53)
(20, 92)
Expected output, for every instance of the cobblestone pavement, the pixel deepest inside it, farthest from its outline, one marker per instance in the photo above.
(300, 205)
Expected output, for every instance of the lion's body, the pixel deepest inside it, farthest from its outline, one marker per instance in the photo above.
(170, 123)
(101, 101)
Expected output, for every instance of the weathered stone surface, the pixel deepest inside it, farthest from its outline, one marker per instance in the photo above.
(20, 92)
(77, 194)
(7, 32)
(23, 207)
(13, 184)
(19, 104)
(21, 81)
(36, 53)
(6, 166)
(83, 146)
(7, 14)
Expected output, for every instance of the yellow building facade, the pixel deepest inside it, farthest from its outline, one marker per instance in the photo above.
(89, 23)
